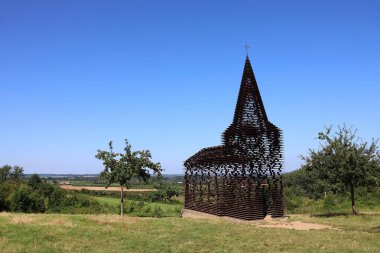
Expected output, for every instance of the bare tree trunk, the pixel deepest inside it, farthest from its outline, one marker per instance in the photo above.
(353, 199)
(121, 202)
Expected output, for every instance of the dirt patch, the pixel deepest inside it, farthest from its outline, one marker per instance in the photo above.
(187, 213)
(100, 188)
(297, 225)
(268, 222)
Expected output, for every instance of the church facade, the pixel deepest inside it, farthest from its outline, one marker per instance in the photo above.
(242, 177)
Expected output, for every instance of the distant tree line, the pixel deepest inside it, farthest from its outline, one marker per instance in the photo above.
(35, 195)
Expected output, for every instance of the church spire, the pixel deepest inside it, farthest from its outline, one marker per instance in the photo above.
(246, 49)
(249, 107)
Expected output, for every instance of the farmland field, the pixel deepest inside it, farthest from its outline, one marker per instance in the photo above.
(102, 188)
(110, 233)
(102, 184)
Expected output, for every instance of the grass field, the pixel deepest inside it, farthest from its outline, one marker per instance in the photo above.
(169, 209)
(108, 233)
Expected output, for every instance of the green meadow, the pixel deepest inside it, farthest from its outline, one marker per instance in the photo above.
(138, 208)
(111, 233)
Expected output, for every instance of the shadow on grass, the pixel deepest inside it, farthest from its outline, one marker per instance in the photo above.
(375, 230)
(327, 215)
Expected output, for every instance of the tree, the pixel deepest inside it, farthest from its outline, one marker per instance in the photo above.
(24, 199)
(165, 191)
(121, 168)
(8, 172)
(34, 181)
(4, 173)
(17, 173)
(343, 162)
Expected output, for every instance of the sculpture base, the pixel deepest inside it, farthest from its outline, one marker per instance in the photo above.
(188, 213)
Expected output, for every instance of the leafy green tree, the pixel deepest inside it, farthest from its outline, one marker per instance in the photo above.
(17, 173)
(121, 168)
(7, 172)
(34, 181)
(343, 162)
(306, 183)
(165, 191)
(3, 197)
(27, 201)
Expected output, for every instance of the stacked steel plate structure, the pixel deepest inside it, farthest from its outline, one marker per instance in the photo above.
(242, 177)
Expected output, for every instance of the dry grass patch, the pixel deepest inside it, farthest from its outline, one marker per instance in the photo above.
(113, 219)
(4, 214)
(58, 222)
(40, 220)
(22, 219)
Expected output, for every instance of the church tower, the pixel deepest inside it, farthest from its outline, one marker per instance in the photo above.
(242, 177)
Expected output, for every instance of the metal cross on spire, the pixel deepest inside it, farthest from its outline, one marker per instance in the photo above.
(246, 48)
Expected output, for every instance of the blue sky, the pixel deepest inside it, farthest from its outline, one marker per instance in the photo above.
(166, 74)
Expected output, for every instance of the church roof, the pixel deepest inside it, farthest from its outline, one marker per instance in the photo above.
(250, 119)
(249, 90)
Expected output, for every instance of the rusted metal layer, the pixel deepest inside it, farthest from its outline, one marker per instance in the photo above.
(242, 177)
